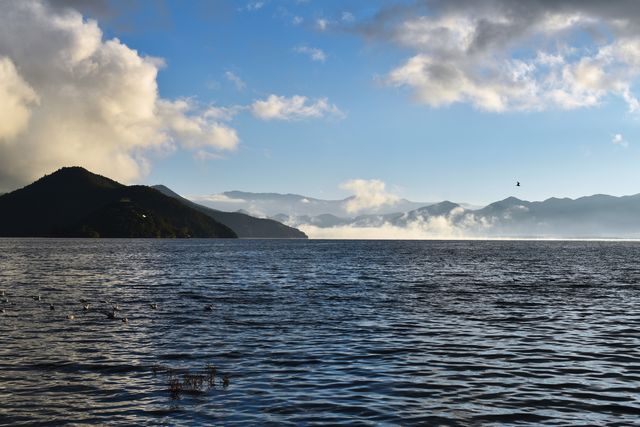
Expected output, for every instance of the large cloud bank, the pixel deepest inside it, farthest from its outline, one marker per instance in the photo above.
(70, 97)
(507, 55)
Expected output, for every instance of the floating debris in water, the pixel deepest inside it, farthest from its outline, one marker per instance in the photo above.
(190, 382)
(175, 388)
(85, 307)
(71, 317)
(211, 374)
(208, 308)
(154, 306)
(51, 307)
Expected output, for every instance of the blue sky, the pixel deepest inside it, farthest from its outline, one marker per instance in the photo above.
(426, 138)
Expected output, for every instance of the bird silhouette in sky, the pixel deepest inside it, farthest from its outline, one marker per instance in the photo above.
(517, 183)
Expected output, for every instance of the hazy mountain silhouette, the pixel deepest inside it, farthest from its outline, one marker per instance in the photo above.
(272, 204)
(75, 202)
(597, 216)
(592, 216)
(243, 224)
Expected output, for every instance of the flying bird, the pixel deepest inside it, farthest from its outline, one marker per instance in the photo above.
(517, 183)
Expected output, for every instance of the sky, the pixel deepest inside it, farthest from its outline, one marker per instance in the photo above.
(424, 100)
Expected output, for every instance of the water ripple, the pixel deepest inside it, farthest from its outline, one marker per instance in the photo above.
(331, 332)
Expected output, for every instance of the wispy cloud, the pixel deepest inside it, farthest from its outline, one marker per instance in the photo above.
(204, 156)
(293, 108)
(235, 79)
(196, 131)
(253, 6)
(347, 17)
(217, 198)
(618, 139)
(212, 85)
(222, 113)
(314, 53)
(322, 24)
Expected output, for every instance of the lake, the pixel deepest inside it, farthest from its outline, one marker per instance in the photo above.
(336, 332)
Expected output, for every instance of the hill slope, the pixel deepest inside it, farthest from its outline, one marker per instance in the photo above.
(73, 202)
(244, 225)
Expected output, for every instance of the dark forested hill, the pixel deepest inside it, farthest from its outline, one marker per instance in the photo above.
(73, 202)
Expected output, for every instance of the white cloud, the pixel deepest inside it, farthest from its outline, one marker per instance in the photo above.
(457, 224)
(212, 85)
(347, 17)
(16, 100)
(499, 57)
(204, 156)
(314, 53)
(216, 198)
(385, 232)
(367, 194)
(618, 139)
(297, 20)
(252, 6)
(195, 131)
(255, 5)
(237, 81)
(423, 228)
(69, 97)
(322, 24)
(296, 107)
(222, 113)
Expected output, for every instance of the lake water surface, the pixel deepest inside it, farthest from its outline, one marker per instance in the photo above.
(353, 332)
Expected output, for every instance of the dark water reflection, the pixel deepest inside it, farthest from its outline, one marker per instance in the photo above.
(412, 333)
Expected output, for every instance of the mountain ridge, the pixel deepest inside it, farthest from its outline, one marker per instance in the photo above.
(268, 205)
(595, 216)
(73, 202)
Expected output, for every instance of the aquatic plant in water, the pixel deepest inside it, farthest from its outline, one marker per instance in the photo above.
(190, 382)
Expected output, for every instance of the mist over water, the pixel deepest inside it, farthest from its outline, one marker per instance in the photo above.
(400, 332)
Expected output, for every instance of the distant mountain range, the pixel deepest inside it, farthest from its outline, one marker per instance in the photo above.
(272, 204)
(73, 202)
(598, 216)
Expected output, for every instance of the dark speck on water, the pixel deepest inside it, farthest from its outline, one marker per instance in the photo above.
(451, 333)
